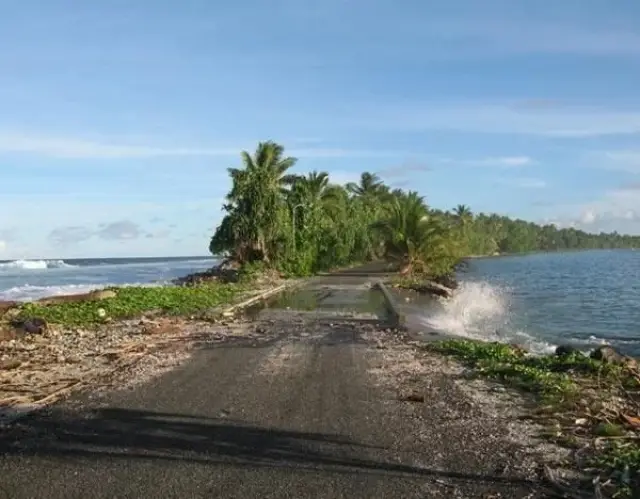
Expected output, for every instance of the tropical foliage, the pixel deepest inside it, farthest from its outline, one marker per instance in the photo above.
(300, 224)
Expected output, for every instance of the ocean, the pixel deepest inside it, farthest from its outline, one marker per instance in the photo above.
(24, 280)
(584, 299)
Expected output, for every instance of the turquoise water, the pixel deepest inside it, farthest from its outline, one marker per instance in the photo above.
(584, 299)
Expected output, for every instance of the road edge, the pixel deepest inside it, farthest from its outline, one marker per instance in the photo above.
(397, 317)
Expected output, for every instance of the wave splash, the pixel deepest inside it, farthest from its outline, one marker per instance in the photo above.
(481, 311)
(35, 265)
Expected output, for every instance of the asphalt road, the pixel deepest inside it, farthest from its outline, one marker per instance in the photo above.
(297, 416)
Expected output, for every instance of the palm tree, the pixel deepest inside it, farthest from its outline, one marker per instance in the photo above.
(255, 204)
(315, 196)
(413, 238)
(463, 214)
(314, 190)
(370, 186)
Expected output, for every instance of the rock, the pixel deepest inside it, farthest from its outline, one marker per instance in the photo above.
(630, 362)
(565, 350)
(607, 355)
(432, 287)
(6, 333)
(448, 281)
(519, 350)
(160, 327)
(227, 271)
(103, 294)
(10, 364)
(33, 325)
(414, 397)
(5, 306)
(98, 295)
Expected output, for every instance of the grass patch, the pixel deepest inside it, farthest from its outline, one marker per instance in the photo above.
(587, 403)
(135, 301)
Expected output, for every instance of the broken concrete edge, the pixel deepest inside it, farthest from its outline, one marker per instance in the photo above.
(397, 317)
(263, 295)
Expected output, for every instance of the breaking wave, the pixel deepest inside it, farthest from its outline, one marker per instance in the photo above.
(34, 265)
(481, 311)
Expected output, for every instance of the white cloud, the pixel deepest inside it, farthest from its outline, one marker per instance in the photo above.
(72, 148)
(588, 217)
(3, 245)
(505, 161)
(618, 209)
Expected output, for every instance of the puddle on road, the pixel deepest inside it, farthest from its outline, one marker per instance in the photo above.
(348, 299)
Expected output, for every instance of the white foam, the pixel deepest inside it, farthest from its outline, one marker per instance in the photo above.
(29, 293)
(34, 265)
(480, 311)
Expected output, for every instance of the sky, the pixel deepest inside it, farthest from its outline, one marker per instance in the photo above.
(119, 119)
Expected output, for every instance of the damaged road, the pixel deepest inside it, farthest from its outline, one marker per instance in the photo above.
(316, 403)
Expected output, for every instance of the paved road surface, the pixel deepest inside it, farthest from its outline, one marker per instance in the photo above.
(297, 416)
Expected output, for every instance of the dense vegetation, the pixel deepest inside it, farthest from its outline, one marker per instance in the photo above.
(303, 224)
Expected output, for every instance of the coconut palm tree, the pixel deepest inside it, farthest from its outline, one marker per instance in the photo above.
(415, 239)
(256, 204)
(311, 199)
(370, 186)
(463, 214)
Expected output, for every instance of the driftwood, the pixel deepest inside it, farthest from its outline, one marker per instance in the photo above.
(430, 287)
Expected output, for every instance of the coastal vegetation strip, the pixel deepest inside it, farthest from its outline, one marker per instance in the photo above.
(591, 404)
(127, 302)
(303, 224)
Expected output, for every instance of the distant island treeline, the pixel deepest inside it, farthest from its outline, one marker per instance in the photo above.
(300, 224)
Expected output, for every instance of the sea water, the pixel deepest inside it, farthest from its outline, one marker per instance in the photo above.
(584, 299)
(25, 280)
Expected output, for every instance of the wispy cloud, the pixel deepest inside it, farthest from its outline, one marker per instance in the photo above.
(119, 230)
(557, 122)
(71, 148)
(63, 236)
(404, 169)
(489, 162)
(528, 36)
(622, 160)
(503, 162)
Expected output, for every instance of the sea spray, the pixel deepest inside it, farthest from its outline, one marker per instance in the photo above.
(481, 311)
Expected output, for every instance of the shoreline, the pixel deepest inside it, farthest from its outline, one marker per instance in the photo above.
(41, 367)
(56, 346)
(589, 404)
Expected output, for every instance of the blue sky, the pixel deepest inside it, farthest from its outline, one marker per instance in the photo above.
(118, 119)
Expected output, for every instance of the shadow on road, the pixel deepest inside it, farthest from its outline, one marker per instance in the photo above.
(129, 435)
